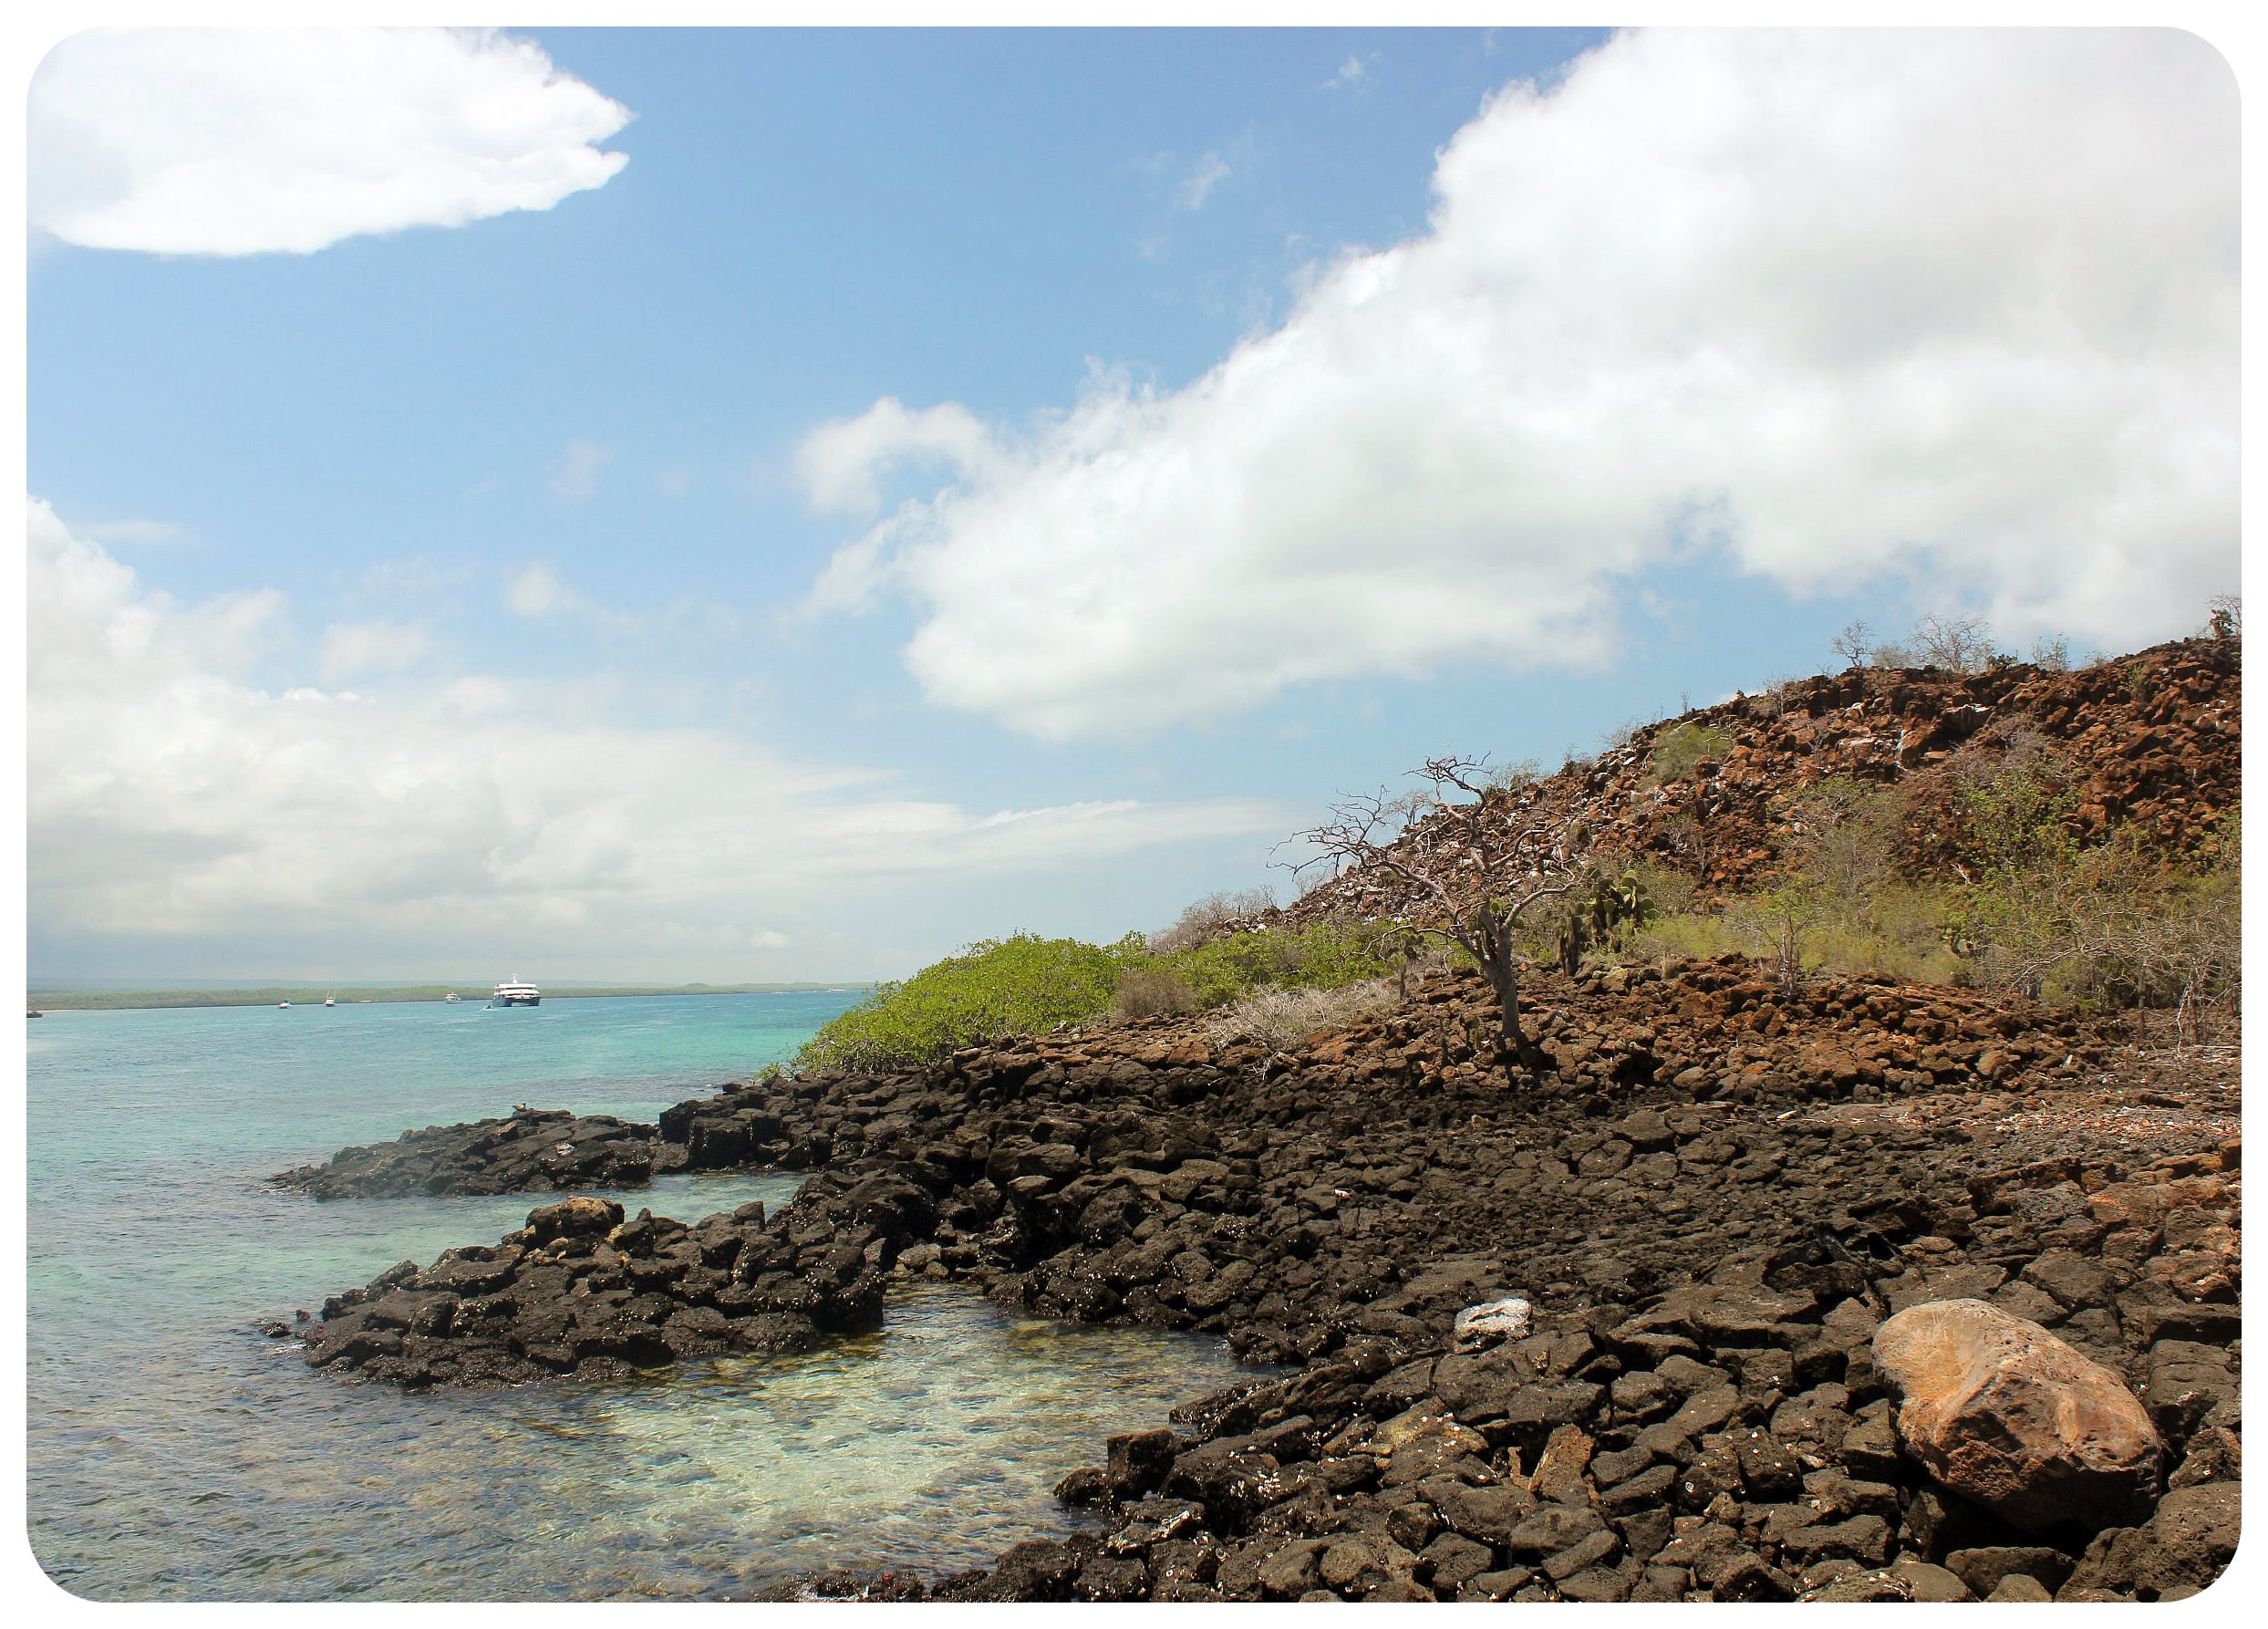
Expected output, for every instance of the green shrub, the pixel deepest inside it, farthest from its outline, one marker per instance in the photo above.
(1895, 931)
(2017, 821)
(2115, 925)
(1322, 957)
(1019, 985)
(1678, 749)
(1025, 985)
(1152, 991)
(2112, 926)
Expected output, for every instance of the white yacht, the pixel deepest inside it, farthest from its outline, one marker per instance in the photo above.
(453, 996)
(512, 992)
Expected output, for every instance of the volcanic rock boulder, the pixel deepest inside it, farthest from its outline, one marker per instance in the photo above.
(530, 1148)
(579, 1290)
(2002, 1412)
(2183, 1547)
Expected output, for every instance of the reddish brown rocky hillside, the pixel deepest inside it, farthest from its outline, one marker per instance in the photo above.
(2149, 741)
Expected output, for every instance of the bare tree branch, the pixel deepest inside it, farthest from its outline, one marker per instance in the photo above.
(1468, 870)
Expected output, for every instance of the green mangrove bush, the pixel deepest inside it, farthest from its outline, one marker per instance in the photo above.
(1022, 984)
(1025, 984)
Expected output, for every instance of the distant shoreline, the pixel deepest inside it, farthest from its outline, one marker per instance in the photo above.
(105, 1001)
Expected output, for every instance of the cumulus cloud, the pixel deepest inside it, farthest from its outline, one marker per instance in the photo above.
(352, 649)
(244, 141)
(1958, 306)
(173, 797)
(841, 462)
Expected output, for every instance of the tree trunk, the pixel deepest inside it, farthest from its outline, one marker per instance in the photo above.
(1493, 950)
(1505, 979)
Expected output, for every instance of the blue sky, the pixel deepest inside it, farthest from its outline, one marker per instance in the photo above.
(946, 483)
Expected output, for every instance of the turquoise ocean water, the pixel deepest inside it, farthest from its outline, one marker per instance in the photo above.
(176, 1454)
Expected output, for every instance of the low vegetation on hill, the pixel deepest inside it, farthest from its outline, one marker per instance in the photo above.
(2114, 925)
(1025, 985)
(2067, 835)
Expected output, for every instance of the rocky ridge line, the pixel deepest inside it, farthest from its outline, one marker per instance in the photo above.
(2153, 740)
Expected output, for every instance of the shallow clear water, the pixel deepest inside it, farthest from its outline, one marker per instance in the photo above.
(175, 1453)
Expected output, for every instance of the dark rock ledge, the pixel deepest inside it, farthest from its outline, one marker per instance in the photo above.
(530, 1148)
(580, 1291)
(1713, 1208)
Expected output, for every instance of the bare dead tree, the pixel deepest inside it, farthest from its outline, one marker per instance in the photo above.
(1468, 871)
(1957, 644)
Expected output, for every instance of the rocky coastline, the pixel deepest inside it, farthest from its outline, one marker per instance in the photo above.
(1789, 1263)
(529, 1148)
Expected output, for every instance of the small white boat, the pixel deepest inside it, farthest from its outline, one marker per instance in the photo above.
(283, 1003)
(328, 1003)
(453, 996)
(512, 992)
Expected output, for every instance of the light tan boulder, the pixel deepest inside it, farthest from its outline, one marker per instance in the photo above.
(1998, 1410)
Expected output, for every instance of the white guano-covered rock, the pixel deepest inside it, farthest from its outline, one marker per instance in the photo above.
(1493, 1321)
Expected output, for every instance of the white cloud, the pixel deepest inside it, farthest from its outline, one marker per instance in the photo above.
(173, 797)
(1353, 71)
(352, 649)
(576, 475)
(537, 594)
(1960, 305)
(1197, 185)
(133, 531)
(841, 462)
(244, 141)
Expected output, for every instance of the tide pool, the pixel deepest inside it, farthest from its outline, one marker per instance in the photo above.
(176, 1454)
